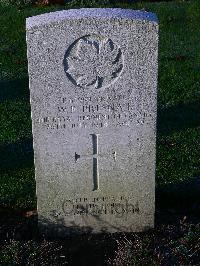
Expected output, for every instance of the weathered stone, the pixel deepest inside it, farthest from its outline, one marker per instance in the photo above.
(93, 78)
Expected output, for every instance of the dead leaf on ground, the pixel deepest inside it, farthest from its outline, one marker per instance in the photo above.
(30, 213)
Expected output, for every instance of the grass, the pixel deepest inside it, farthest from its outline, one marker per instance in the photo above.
(175, 240)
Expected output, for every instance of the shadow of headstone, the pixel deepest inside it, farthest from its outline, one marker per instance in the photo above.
(14, 89)
(16, 155)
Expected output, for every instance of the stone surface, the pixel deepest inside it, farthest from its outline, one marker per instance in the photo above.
(93, 78)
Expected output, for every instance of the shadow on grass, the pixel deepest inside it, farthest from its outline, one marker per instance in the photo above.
(177, 118)
(16, 155)
(82, 249)
(14, 89)
(178, 201)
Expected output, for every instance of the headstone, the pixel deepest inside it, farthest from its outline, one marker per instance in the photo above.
(93, 78)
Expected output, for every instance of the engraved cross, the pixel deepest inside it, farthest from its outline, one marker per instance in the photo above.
(95, 157)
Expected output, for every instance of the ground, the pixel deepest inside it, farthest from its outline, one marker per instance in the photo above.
(176, 238)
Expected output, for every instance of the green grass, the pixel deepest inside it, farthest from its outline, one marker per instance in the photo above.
(178, 99)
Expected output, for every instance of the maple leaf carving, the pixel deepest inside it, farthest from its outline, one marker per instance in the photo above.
(93, 62)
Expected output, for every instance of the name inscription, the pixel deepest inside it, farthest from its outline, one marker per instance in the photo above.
(95, 112)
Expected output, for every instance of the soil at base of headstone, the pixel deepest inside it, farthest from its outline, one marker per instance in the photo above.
(18, 231)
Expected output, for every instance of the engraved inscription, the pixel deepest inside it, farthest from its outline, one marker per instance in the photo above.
(96, 112)
(118, 207)
(93, 62)
(95, 161)
(95, 156)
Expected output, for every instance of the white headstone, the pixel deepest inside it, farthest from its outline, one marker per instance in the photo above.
(93, 78)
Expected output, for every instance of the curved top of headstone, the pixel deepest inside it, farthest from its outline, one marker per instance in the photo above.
(81, 13)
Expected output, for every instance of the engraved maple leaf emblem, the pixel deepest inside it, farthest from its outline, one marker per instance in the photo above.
(93, 62)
